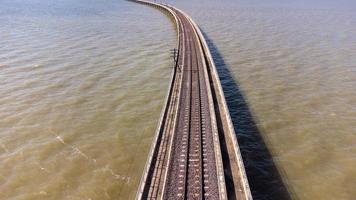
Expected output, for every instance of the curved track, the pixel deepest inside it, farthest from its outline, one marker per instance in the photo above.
(192, 166)
(186, 161)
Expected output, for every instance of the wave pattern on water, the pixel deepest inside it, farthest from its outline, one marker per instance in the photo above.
(82, 84)
(294, 66)
(81, 89)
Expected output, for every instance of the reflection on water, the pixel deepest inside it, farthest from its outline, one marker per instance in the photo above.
(82, 84)
(81, 89)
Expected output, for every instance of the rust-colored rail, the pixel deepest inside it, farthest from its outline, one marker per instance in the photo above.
(195, 132)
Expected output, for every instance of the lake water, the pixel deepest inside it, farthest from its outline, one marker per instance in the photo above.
(82, 84)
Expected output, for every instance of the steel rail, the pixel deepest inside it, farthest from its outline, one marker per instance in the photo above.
(195, 146)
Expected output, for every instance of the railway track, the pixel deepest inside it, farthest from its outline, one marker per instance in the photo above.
(185, 161)
(192, 167)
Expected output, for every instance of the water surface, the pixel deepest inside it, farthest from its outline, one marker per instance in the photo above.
(294, 65)
(82, 84)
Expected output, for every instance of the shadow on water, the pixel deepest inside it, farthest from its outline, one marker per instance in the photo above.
(263, 176)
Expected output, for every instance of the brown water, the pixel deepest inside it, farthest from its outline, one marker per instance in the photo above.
(81, 89)
(82, 84)
(294, 65)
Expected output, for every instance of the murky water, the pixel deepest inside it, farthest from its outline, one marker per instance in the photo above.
(82, 84)
(294, 65)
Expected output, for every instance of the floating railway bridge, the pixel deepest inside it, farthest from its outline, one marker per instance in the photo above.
(194, 154)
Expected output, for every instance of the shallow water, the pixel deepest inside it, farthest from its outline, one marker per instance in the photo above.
(81, 89)
(82, 84)
(295, 66)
